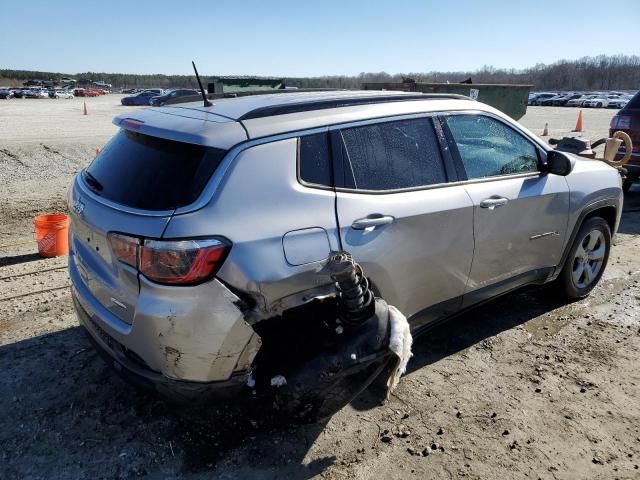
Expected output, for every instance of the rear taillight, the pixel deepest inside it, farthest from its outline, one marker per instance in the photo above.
(171, 262)
(125, 248)
(181, 262)
(620, 122)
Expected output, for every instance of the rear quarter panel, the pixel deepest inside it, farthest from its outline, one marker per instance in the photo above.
(258, 201)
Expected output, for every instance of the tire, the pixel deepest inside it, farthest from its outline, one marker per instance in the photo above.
(599, 105)
(587, 259)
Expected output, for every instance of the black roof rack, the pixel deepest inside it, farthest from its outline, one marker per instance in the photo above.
(296, 107)
(246, 93)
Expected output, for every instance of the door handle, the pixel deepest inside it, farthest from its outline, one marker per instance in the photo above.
(493, 202)
(373, 220)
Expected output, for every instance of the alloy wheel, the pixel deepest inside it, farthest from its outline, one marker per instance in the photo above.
(588, 259)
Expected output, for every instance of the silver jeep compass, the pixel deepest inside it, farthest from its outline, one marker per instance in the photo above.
(201, 235)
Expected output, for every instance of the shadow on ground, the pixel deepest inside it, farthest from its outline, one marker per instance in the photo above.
(470, 329)
(64, 410)
(16, 259)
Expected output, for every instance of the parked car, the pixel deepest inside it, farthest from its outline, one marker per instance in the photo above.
(17, 92)
(628, 120)
(562, 101)
(538, 98)
(63, 94)
(619, 102)
(35, 93)
(5, 93)
(141, 98)
(172, 95)
(599, 101)
(550, 100)
(198, 248)
(577, 102)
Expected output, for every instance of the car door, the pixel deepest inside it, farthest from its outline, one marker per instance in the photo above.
(400, 218)
(520, 213)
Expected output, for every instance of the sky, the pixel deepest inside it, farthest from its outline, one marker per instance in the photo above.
(310, 38)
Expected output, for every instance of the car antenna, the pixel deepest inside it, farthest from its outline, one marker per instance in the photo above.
(207, 103)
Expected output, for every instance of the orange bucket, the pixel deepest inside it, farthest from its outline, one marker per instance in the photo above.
(52, 235)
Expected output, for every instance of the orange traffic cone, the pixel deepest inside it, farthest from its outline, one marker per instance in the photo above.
(85, 108)
(97, 151)
(545, 132)
(579, 123)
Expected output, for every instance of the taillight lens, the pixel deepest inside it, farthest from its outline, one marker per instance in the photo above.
(172, 262)
(621, 122)
(125, 248)
(181, 262)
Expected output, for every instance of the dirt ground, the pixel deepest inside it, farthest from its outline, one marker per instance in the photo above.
(523, 387)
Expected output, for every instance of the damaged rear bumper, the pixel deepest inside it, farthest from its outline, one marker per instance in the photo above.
(133, 370)
(193, 338)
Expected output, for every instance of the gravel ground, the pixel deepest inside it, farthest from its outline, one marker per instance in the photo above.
(523, 387)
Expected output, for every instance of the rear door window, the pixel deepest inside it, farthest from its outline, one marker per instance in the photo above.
(489, 148)
(392, 155)
(151, 173)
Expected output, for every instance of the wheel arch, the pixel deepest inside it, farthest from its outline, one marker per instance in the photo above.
(605, 208)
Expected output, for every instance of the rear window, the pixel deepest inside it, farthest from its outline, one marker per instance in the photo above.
(151, 173)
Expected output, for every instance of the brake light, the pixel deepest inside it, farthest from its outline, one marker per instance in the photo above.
(181, 262)
(131, 123)
(125, 248)
(171, 262)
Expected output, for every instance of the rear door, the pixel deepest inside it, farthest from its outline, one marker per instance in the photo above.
(410, 230)
(520, 213)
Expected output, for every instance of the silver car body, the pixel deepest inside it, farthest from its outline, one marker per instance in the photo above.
(442, 250)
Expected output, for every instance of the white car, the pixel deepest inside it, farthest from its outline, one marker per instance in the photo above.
(64, 94)
(619, 102)
(600, 101)
(578, 102)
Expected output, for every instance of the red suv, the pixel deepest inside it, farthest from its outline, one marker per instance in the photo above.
(628, 120)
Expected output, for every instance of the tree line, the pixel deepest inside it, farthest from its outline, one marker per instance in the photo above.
(603, 72)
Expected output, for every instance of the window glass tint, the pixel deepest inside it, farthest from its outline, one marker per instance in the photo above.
(315, 161)
(634, 102)
(152, 173)
(489, 148)
(393, 155)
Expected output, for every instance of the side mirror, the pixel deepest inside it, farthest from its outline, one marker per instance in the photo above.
(559, 163)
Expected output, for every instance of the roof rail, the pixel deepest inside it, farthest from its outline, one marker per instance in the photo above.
(246, 93)
(297, 107)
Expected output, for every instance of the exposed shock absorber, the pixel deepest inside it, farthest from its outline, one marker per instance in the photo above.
(355, 300)
(358, 354)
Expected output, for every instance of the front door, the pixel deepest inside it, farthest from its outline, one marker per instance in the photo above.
(520, 214)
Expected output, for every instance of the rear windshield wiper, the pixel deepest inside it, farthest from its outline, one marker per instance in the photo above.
(92, 182)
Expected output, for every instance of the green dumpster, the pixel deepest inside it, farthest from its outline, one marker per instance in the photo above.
(510, 99)
(221, 85)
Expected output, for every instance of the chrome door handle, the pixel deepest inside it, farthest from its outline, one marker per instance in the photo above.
(373, 220)
(493, 202)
